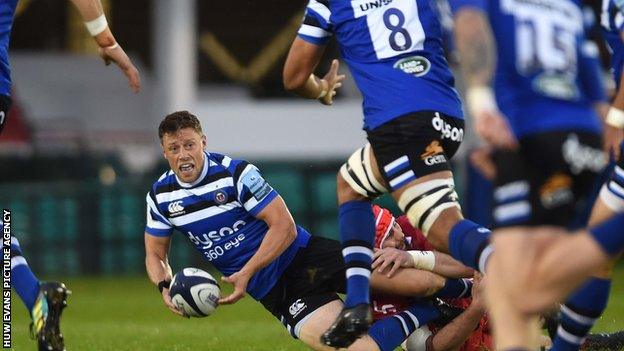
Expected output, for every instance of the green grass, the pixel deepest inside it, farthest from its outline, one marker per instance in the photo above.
(128, 314)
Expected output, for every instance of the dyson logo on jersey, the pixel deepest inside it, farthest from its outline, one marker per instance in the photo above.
(206, 241)
(582, 157)
(417, 66)
(447, 131)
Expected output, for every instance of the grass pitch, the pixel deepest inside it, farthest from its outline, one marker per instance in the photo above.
(128, 314)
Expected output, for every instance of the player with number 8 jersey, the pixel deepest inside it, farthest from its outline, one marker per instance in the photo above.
(414, 123)
(399, 40)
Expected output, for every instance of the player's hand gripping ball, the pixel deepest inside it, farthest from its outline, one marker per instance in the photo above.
(195, 292)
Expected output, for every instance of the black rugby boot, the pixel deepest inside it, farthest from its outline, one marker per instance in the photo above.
(351, 324)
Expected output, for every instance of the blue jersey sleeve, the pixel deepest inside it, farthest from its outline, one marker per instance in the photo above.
(590, 73)
(316, 27)
(156, 223)
(254, 192)
(457, 5)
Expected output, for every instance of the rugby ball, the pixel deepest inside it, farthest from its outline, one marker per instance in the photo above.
(194, 292)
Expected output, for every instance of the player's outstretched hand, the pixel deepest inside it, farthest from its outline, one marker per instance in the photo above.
(334, 81)
(391, 258)
(612, 139)
(117, 55)
(170, 305)
(494, 129)
(240, 281)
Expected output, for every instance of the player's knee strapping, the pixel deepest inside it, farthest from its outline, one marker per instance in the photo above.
(424, 202)
(358, 173)
(612, 192)
(390, 332)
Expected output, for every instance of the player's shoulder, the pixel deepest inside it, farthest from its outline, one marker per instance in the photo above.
(165, 180)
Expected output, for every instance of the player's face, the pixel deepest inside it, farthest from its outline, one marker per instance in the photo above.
(396, 239)
(184, 150)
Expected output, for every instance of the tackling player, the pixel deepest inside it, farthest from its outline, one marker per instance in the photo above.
(414, 122)
(46, 301)
(242, 226)
(95, 21)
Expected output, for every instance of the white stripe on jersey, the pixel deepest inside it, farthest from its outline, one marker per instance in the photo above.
(203, 214)
(312, 31)
(619, 20)
(154, 224)
(321, 9)
(226, 161)
(165, 175)
(151, 205)
(182, 193)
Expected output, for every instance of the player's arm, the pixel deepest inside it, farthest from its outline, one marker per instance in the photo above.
(614, 121)
(590, 74)
(282, 232)
(157, 265)
(454, 334)
(305, 54)
(477, 57)
(110, 51)
(391, 259)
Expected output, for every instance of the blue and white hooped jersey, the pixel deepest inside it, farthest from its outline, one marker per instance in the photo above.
(395, 53)
(7, 11)
(217, 214)
(547, 75)
(612, 23)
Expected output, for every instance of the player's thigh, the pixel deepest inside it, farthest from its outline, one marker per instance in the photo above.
(318, 322)
(414, 146)
(566, 166)
(408, 282)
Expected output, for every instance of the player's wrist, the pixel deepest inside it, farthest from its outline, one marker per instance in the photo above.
(424, 260)
(615, 118)
(97, 26)
(480, 97)
(324, 86)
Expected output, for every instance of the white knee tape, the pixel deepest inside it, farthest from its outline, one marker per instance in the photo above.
(358, 173)
(424, 202)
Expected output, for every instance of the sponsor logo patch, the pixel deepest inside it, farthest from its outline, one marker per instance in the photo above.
(434, 154)
(556, 191)
(446, 130)
(417, 66)
(296, 308)
(176, 209)
(257, 185)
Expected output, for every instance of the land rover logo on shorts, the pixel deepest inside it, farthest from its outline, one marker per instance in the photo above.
(415, 65)
(220, 197)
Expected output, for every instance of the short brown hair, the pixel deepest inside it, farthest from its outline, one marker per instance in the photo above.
(175, 121)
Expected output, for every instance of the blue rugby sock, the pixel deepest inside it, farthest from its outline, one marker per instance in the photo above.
(579, 314)
(22, 278)
(469, 243)
(455, 288)
(608, 234)
(390, 332)
(357, 232)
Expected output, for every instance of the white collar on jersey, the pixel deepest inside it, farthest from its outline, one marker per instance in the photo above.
(201, 176)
